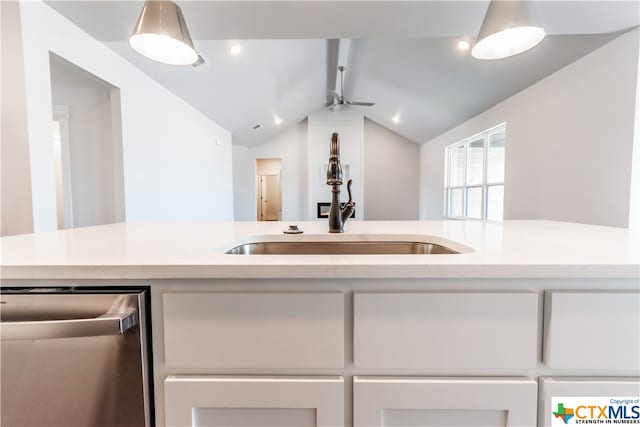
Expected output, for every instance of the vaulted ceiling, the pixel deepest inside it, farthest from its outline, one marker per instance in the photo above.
(403, 56)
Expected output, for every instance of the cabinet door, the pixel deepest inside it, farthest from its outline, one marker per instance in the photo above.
(444, 402)
(592, 330)
(566, 400)
(207, 401)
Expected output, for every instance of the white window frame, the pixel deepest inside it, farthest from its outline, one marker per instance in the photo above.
(448, 188)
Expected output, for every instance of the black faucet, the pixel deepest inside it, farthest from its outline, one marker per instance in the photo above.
(337, 216)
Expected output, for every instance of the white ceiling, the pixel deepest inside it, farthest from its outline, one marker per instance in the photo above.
(405, 59)
(211, 19)
(433, 87)
(282, 78)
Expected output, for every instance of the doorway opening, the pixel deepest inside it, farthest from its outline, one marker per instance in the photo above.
(268, 189)
(87, 147)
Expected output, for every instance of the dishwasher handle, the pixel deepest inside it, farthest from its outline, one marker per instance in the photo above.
(106, 324)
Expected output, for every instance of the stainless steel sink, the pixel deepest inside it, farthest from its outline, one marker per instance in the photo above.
(341, 248)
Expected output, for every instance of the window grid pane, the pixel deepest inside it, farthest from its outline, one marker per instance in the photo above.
(495, 202)
(474, 181)
(495, 157)
(475, 162)
(457, 166)
(456, 202)
(474, 202)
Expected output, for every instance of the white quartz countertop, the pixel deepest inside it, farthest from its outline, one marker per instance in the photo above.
(536, 249)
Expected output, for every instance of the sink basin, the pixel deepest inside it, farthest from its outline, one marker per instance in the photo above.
(341, 248)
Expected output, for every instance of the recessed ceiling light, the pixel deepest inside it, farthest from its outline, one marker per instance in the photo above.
(463, 45)
(235, 50)
(396, 118)
(277, 120)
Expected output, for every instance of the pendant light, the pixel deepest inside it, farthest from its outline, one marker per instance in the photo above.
(507, 30)
(161, 34)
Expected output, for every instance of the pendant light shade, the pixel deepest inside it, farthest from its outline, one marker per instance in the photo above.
(161, 34)
(507, 30)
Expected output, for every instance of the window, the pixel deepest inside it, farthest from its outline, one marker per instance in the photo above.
(474, 176)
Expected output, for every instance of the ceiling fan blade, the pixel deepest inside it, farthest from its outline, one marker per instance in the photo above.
(364, 104)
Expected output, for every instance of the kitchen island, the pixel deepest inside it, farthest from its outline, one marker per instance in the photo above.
(488, 336)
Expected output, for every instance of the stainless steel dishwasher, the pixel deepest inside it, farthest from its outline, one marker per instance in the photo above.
(75, 357)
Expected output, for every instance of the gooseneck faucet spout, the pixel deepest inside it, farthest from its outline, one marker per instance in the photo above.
(337, 215)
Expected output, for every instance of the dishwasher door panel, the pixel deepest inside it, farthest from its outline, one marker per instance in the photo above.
(80, 381)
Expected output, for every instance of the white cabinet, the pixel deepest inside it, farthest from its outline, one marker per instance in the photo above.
(273, 334)
(254, 330)
(444, 402)
(577, 394)
(434, 330)
(216, 401)
(592, 330)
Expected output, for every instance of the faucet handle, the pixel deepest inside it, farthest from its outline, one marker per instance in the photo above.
(350, 206)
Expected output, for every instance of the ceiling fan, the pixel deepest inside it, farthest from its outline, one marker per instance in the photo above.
(339, 99)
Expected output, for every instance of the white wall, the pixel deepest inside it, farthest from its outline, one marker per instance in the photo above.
(392, 173)
(349, 124)
(291, 147)
(384, 154)
(569, 142)
(90, 143)
(16, 208)
(177, 162)
(244, 172)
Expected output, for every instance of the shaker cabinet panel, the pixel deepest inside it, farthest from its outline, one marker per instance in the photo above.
(212, 401)
(592, 330)
(445, 330)
(575, 395)
(444, 402)
(254, 330)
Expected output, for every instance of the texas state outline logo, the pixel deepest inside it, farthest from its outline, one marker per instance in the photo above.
(565, 414)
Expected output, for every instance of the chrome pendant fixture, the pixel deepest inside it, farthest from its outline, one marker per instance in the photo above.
(507, 29)
(161, 34)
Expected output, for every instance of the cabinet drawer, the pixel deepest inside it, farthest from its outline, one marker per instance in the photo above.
(437, 402)
(576, 394)
(592, 330)
(445, 330)
(254, 401)
(254, 330)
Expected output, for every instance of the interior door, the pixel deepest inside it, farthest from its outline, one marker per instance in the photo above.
(269, 197)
